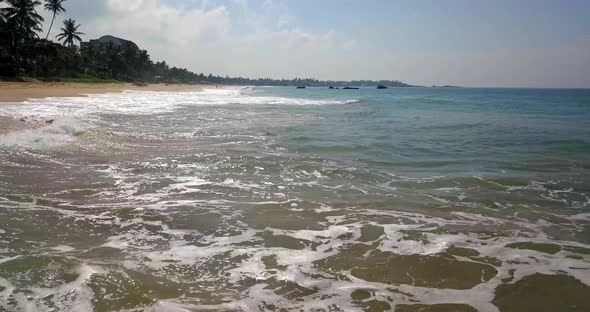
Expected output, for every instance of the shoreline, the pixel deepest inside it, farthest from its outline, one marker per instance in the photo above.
(17, 92)
(20, 92)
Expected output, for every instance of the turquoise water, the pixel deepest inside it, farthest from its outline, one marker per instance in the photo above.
(249, 199)
(479, 129)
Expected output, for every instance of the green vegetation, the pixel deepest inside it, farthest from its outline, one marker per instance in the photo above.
(69, 33)
(107, 59)
(56, 7)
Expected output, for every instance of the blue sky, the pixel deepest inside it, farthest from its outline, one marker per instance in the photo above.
(533, 43)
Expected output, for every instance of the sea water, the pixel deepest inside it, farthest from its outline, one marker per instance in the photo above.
(247, 199)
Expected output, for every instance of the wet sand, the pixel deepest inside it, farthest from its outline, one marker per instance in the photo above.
(274, 199)
(21, 91)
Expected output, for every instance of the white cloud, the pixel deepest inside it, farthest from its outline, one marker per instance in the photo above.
(212, 38)
(267, 40)
(125, 5)
(155, 23)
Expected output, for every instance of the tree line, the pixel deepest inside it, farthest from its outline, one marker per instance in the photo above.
(23, 53)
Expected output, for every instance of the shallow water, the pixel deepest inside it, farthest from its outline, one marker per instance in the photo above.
(414, 199)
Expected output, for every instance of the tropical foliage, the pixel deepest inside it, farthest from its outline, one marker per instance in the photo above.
(55, 7)
(69, 33)
(22, 17)
(23, 53)
(19, 25)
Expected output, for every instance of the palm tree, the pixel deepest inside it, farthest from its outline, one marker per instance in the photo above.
(69, 33)
(1, 13)
(24, 17)
(56, 7)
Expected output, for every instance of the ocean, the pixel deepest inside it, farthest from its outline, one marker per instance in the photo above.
(284, 199)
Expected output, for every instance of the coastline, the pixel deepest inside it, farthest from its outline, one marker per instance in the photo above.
(286, 173)
(15, 92)
(19, 92)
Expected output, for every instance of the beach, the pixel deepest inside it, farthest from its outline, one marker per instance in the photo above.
(16, 92)
(22, 91)
(247, 199)
(322, 156)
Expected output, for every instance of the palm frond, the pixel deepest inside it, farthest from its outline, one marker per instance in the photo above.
(69, 33)
(55, 6)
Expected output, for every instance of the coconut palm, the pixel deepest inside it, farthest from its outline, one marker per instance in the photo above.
(3, 26)
(69, 33)
(23, 16)
(56, 7)
(1, 12)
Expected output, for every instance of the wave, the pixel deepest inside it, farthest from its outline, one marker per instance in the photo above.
(301, 259)
(61, 131)
(77, 113)
(150, 102)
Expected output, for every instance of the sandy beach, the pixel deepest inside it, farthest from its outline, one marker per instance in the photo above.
(14, 92)
(22, 91)
(302, 198)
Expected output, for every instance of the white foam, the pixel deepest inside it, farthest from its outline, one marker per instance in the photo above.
(75, 114)
(340, 231)
(154, 245)
(63, 248)
(72, 296)
(61, 131)
(148, 102)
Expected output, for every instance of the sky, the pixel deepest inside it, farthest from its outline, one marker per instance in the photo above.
(499, 43)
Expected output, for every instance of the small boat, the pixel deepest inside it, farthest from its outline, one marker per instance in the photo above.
(301, 87)
(350, 88)
(381, 87)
